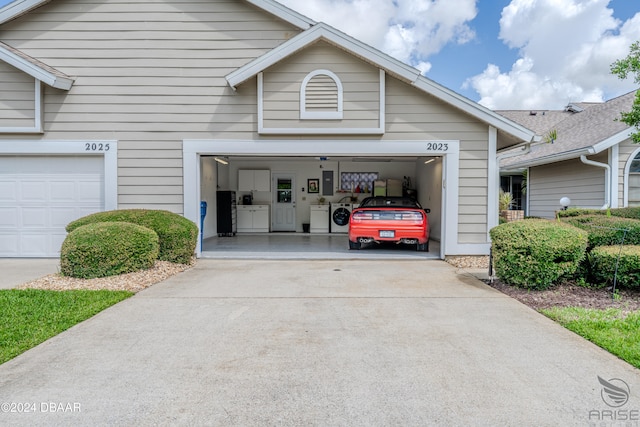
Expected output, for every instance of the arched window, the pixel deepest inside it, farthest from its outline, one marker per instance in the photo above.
(633, 182)
(321, 96)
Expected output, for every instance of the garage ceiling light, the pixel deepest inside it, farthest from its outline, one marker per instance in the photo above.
(222, 160)
(429, 161)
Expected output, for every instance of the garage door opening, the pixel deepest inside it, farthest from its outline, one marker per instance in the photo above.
(244, 217)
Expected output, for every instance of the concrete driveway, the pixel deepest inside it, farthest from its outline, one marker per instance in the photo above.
(335, 343)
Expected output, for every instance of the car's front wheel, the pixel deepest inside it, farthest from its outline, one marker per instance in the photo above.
(354, 245)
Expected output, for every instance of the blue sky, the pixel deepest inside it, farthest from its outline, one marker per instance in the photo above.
(505, 54)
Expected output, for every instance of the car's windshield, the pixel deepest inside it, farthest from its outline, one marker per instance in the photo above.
(389, 202)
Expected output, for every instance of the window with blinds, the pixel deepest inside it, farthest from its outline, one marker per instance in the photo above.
(321, 96)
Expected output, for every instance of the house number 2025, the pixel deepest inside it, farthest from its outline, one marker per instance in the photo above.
(96, 146)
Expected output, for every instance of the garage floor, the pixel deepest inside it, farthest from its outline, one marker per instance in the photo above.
(306, 246)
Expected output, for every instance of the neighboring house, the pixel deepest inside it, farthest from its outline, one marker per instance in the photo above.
(588, 157)
(158, 104)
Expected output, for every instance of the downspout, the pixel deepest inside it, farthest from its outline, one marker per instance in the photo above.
(607, 178)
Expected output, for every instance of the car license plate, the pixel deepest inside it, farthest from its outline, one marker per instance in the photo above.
(387, 233)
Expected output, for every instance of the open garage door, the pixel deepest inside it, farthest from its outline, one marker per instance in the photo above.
(40, 195)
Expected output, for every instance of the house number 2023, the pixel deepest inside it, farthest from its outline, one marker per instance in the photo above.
(96, 146)
(437, 146)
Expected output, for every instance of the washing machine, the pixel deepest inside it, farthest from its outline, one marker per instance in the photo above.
(340, 214)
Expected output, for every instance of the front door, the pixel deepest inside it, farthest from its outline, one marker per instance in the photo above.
(284, 202)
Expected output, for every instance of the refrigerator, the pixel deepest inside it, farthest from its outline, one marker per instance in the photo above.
(227, 213)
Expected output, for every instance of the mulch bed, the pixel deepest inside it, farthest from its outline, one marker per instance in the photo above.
(571, 295)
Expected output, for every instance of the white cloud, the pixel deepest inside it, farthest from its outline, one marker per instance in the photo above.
(566, 48)
(409, 30)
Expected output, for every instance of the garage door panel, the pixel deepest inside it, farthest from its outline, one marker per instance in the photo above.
(35, 217)
(32, 191)
(9, 218)
(40, 195)
(90, 191)
(9, 243)
(62, 191)
(34, 245)
(8, 191)
(60, 217)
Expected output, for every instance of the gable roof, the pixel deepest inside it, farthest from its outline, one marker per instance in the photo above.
(590, 131)
(311, 32)
(411, 75)
(34, 68)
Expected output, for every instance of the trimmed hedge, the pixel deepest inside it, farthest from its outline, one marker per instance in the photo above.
(607, 230)
(633, 213)
(536, 253)
(603, 265)
(107, 249)
(580, 212)
(178, 236)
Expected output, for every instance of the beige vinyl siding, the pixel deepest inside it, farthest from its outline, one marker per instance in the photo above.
(141, 62)
(17, 98)
(163, 63)
(360, 81)
(547, 184)
(412, 115)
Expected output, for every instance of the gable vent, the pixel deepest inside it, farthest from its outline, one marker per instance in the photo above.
(321, 96)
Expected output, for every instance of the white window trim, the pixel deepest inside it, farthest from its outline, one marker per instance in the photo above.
(320, 115)
(37, 116)
(627, 167)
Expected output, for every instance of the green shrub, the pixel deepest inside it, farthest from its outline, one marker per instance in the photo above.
(607, 230)
(107, 249)
(580, 212)
(603, 261)
(178, 236)
(633, 213)
(536, 253)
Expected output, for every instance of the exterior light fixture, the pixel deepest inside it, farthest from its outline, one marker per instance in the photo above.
(565, 202)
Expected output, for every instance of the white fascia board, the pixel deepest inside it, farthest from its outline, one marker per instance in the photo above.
(574, 154)
(283, 13)
(38, 73)
(304, 39)
(553, 158)
(612, 140)
(476, 110)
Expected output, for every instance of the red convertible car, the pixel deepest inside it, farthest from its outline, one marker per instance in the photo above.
(389, 219)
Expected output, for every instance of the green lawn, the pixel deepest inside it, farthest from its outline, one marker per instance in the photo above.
(29, 317)
(610, 329)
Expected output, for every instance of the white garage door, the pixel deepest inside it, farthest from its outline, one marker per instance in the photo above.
(40, 195)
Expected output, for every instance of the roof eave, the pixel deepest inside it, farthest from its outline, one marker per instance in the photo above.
(477, 110)
(284, 13)
(18, 8)
(57, 80)
(304, 39)
(552, 158)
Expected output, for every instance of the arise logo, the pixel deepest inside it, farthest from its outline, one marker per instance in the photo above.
(615, 392)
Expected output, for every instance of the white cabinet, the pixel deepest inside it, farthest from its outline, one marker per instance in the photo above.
(254, 180)
(253, 218)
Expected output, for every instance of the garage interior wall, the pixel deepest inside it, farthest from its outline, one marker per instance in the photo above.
(430, 193)
(303, 169)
